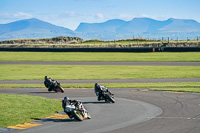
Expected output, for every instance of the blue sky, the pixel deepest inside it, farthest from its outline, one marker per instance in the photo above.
(70, 13)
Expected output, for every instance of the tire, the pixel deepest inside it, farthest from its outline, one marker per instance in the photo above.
(89, 116)
(110, 98)
(60, 89)
(77, 115)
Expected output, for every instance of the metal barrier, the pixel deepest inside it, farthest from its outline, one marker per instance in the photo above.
(141, 49)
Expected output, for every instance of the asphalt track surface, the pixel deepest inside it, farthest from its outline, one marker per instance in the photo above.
(134, 111)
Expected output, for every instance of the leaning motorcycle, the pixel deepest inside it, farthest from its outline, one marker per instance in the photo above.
(75, 109)
(52, 85)
(103, 93)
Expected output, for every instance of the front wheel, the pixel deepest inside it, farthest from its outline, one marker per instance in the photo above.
(77, 115)
(60, 89)
(110, 98)
(88, 116)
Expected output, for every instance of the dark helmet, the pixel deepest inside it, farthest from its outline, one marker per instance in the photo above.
(64, 102)
(45, 77)
(66, 98)
(96, 84)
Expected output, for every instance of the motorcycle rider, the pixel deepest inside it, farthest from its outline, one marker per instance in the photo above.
(49, 83)
(67, 101)
(100, 89)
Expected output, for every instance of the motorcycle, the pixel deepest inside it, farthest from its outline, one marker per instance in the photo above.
(53, 85)
(103, 93)
(75, 109)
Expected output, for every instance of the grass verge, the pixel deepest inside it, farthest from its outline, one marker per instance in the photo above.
(37, 72)
(99, 56)
(177, 89)
(113, 85)
(136, 85)
(17, 109)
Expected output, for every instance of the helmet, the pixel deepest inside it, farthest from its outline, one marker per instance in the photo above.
(66, 99)
(96, 84)
(64, 102)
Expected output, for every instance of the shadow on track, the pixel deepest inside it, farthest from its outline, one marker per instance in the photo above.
(42, 92)
(102, 102)
(55, 120)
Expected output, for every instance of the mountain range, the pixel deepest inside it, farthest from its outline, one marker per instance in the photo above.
(141, 25)
(32, 28)
(109, 30)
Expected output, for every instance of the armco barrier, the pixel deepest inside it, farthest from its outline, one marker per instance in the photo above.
(79, 49)
(182, 49)
(141, 49)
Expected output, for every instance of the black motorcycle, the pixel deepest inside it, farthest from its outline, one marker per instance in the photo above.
(52, 85)
(103, 93)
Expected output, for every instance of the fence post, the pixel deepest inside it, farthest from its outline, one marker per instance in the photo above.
(153, 49)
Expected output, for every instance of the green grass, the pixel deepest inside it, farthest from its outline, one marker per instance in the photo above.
(177, 89)
(17, 109)
(99, 56)
(10, 86)
(111, 85)
(37, 72)
(135, 85)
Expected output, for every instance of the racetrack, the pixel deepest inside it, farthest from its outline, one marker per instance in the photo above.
(134, 111)
(105, 117)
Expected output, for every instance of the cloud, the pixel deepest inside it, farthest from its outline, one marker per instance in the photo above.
(68, 14)
(72, 14)
(99, 15)
(125, 16)
(22, 15)
(17, 15)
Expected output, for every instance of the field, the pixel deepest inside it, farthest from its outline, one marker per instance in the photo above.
(23, 108)
(37, 72)
(99, 56)
(33, 72)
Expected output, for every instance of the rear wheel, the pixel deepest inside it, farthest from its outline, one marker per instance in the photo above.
(60, 89)
(77, 115)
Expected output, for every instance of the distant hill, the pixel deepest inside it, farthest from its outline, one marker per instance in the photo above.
(141, 25)
(180, 25)
(109, 30)
(32, 28)
(108, 26)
